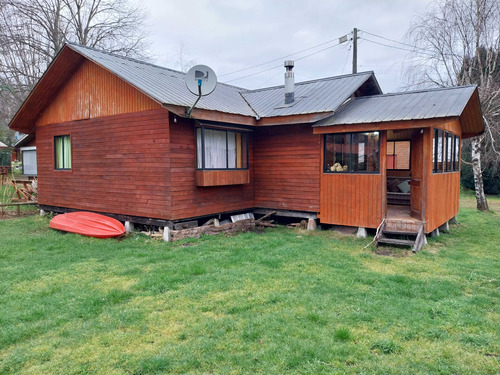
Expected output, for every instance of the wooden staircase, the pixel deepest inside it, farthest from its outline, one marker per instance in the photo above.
(401, 233)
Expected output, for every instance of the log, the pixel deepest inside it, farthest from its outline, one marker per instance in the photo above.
(266, 224)
(265, 216)
(211, 222)
(241, 225)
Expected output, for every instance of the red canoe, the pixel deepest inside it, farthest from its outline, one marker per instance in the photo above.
(88, 224)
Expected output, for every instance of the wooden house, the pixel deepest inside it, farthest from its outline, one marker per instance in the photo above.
(112, 136)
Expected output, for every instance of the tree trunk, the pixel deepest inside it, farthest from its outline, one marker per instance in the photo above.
(482, 203)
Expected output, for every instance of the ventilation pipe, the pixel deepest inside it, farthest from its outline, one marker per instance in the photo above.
(289, 82)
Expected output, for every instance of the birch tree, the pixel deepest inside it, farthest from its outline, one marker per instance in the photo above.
(457, 42)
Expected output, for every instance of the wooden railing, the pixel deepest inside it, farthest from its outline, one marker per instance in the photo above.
(17, 205)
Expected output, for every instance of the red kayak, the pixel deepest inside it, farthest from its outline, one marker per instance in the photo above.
(88, 224)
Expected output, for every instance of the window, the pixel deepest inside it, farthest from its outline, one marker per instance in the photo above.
(352, 152)
(449, 151)
(438, 147)
(446, 152)
(398, 155)
(62, 152)
(456, 156)
(29, 160)
(221, 149)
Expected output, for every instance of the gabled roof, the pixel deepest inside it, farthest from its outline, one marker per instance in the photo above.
(321, 95)
(413, 105)
(167, 87)
(3, 145)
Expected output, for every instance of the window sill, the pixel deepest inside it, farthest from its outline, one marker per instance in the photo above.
(222, 177)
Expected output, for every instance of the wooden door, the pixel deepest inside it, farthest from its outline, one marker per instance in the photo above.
(417, 174)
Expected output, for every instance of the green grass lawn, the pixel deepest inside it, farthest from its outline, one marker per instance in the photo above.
(282, 302)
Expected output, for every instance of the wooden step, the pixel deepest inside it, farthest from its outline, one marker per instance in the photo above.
(400, 233)
(396, 241)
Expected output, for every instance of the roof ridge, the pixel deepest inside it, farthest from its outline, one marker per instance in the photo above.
(310, 81)
(124, 57)
(141, 62)
(415, 91)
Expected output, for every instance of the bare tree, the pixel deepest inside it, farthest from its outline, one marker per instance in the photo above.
(32, 32)
(457, 42)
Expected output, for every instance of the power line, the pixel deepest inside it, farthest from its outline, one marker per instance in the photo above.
(277, 59)
(253, 74)
(280, 66)
(395, 41)
(400, 48)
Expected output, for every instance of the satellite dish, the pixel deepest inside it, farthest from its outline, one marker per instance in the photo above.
(201, 80)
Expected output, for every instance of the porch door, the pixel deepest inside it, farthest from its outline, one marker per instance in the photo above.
(417, 173)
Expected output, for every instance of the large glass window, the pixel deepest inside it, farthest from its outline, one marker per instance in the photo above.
(62, 152)
(221, 149)
(398, 155)
(352, 152)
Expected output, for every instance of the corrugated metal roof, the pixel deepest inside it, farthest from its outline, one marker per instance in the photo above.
(413, 105)
(164, 85)
(168, 86)
(322, 95)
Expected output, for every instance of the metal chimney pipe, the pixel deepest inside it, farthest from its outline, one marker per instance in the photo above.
(289, 82)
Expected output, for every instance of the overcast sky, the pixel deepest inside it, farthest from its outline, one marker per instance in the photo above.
(231, 35)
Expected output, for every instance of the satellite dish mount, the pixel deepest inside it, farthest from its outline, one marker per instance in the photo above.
(201, 81)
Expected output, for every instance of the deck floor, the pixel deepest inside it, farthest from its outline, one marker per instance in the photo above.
(398, 212)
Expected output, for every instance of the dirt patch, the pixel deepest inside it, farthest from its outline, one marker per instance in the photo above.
(7, 215)
(393, 252)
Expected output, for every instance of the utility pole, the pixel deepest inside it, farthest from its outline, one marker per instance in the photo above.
(354, 39)
(355, 51)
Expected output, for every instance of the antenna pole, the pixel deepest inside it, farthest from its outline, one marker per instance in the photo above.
(355, 51)
(189, 110)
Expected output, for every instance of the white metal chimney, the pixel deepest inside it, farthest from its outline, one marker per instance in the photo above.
(289, 82)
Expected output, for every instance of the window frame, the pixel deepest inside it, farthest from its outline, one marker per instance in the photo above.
(447, 165)
(202, 133)
(456, 153)
(449, 148)
(325, 170)
(70, 152)
(440, 133)
(394, 149)
(24, 150)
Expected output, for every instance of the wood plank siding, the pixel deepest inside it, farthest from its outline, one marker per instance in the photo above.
(189, 200)
(355, 199)
(443, 189)
(94, 92)
(287, 168)
(351, 199)
(120, 164)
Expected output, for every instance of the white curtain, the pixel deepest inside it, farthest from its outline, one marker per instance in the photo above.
(231, 149)
(199, 149)
(215, 149)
